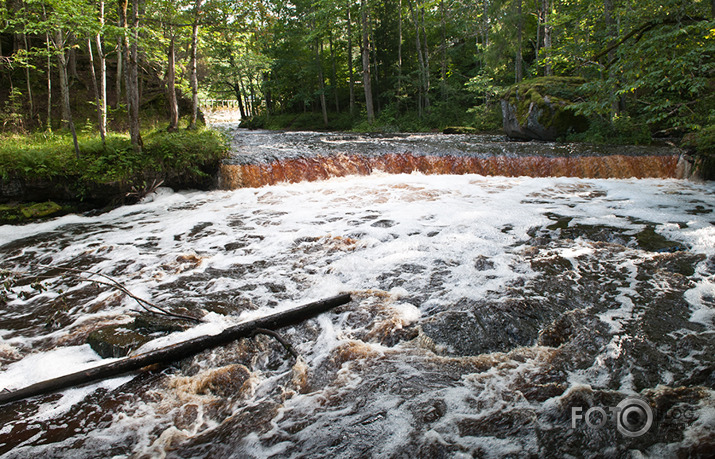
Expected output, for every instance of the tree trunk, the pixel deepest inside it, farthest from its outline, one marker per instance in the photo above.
(350, 61)
(548, 70)
(426, 62)
(64, 88)
(539, 30)
(171, 86)
(367, 85)
(49, 83)
(239, 97)
(102, 74)
(177, 351)
(443, 67)
(334, 79)
(27, 80)
(321, 82)
(121, 51)
(375, 72)
(194, 79)
(518, 59)
(422, 86)
(95, 88)
(399, 56)
(248, 100)
(612, 33)
(266, 93)
(132, 79)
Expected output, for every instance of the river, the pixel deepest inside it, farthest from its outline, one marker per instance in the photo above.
(492, 316)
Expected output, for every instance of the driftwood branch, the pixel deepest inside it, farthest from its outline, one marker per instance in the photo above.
(278, 337)
(177, 351)
(113, 283)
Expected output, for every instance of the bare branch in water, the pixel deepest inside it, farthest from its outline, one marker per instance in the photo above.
(113, 283)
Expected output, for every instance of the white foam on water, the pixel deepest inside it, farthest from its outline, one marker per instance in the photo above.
(48, 365)
(414, 236)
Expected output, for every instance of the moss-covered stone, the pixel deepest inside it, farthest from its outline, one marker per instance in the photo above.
(42, 209)
(14, 213)
(542, 108)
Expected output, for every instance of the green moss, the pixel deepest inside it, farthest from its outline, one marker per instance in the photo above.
(42, 209)
(14, 213)
(553, 97)
(542, 92)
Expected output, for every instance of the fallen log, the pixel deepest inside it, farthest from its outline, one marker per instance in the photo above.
(176, 351)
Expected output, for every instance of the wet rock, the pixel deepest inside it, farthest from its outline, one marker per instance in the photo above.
(580, 338)
(483, 263)
(682, 263)
(383, 224)
(480, 328)
(226, 381)
(562, 329)
(651, 241)
(153, 323)
(254, 419)
(120, 340)
(116, 341)
(542, 109)
(507, 424)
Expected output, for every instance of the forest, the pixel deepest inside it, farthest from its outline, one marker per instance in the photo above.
(645, 68)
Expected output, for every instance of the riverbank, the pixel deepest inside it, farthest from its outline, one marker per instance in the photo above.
(42, 168)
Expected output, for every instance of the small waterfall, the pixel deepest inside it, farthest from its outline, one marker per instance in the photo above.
(311, 168)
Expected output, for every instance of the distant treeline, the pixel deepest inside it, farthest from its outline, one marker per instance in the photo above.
(646, 63)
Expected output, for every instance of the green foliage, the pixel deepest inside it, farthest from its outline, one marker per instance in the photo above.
(487, 118)
(622, 130)
(182, 158)
(11, 112)
(701, 144)
(647, 66)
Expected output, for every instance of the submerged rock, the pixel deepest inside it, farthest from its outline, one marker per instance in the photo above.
(115, 341)
(120, 340)
(542, 109)
(479, 328)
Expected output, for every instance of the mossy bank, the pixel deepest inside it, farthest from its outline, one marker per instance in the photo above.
(43, 168)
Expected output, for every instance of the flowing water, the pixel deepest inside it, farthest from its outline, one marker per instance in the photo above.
(492, 316)
(267, 158)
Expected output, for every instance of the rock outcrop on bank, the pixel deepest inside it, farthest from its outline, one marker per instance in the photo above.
(542, 109)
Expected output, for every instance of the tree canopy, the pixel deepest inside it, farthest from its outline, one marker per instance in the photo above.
(401, 63)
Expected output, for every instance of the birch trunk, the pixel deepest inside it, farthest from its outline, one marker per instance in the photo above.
(366, 77)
